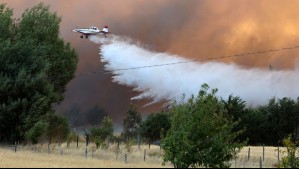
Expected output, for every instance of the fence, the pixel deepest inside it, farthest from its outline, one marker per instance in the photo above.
(258, 157)
(255, 157)
(117, 152)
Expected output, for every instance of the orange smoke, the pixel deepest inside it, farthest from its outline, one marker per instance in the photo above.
(192, 29)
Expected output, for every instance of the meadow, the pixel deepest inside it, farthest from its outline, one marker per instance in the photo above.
(39, 156)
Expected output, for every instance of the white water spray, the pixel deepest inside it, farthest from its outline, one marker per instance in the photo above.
(170, 82)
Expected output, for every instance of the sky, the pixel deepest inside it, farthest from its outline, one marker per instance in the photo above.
(193, 29)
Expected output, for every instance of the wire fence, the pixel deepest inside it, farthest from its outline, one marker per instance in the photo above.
(249, 157)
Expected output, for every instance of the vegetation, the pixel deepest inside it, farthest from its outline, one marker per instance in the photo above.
(155, 126)
(36, 65)
(290, 160)
(100, 134)
(268, 124)
(131, 123)
(201, 134)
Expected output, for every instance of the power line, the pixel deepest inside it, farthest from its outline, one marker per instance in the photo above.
(211, 58)
(181, 62)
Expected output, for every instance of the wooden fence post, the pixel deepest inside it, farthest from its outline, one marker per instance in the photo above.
(49, 148)
(86, 152)
(261, 162)
(263, 153)
(278, 158)
(144, 155)
(248, 153)
(15, 147)
(77, 140)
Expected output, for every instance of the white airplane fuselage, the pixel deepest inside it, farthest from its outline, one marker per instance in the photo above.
(91, 31)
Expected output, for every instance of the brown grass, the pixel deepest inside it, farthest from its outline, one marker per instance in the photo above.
(73, 157)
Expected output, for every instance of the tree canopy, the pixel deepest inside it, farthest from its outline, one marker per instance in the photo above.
(35, 66)
(201, 134)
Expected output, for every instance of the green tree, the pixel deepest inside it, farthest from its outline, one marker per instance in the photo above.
(154, 126)
(251, 120)
(289, 160)
(35, 66)
(282, 118)
(34, 134)
(51, 128)
(201, 134)
(6, 23)
(57, 129)
(100, 134)
(131, 123)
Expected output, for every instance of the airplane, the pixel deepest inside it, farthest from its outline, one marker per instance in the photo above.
(92, 31)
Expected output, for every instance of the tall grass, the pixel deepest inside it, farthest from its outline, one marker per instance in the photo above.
(64, 156)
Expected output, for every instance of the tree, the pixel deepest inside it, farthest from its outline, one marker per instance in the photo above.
(131, 123)
(35, 67)
(100, 134)
(57, 129)
(6, 23)
(201, 133)
(51, 128)
(289, 160)
(155, 126)
(251, 120)
(282, 118)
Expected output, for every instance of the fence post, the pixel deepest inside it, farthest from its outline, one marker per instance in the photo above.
(49, 148)
(138, 141)
(278, 158)
(144, 155)
(263, 153)
(248, 153)
(261, 163)
(118, 143)
(77, 140)
(126, 158)
(15, 146)
(86, 152)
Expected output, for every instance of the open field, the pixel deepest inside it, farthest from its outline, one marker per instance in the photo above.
(67, 157)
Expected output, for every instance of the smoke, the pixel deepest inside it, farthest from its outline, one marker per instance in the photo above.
(129, 63)
(193, 29)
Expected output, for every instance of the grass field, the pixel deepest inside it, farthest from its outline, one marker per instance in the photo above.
(73, 157)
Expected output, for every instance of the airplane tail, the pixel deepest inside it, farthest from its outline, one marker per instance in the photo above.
(105, 29)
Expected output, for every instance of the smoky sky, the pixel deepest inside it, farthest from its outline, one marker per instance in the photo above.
(192, 29)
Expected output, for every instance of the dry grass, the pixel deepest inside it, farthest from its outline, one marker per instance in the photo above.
(73, 157)
(256, 153)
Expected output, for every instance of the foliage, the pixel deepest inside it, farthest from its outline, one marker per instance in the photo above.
(129, 143)
(35, 66)
(58, 128)
(201, 134)
(290, 160)
(155, 126)
(131, 123)
(51, 128)
(34, 134)
(266, 124)
(71, 137)
(100, 134)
